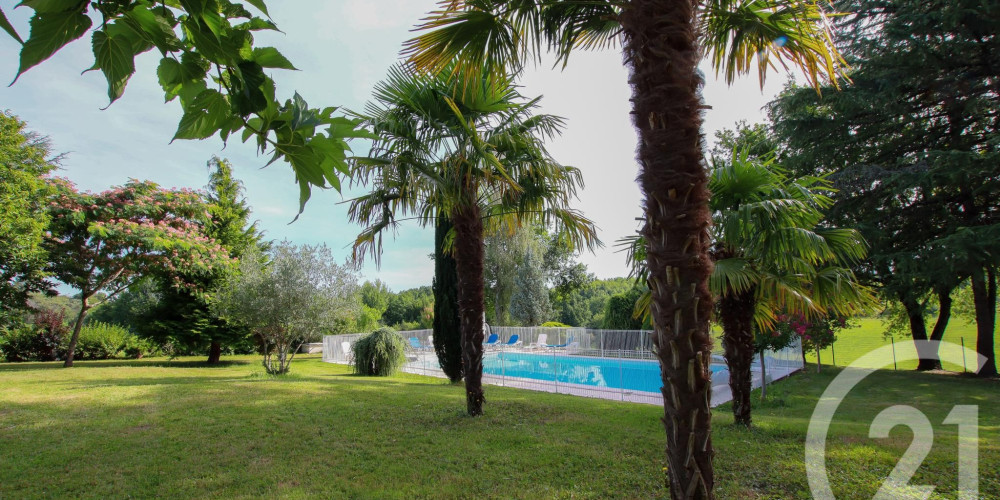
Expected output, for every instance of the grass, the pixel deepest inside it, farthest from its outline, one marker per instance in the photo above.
(180, 429)
(866, 336)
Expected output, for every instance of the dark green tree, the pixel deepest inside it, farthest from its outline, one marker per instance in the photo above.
(25, 158)
(375, 295)
(619, 311)
(585, 305)
(529, 303)
(919, 177)
(447, 326)
(407, 309)
(183, 315)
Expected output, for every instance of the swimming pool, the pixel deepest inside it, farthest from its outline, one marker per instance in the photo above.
(629, 374)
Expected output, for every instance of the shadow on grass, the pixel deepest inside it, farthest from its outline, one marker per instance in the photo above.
(143, 363)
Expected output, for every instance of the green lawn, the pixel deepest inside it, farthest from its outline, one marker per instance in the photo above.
(179, 429)
(852, 343)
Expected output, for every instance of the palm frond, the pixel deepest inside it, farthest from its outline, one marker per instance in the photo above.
(739, 33)
(732, 275)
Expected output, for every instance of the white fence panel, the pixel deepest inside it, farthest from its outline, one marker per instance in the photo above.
(608, 364)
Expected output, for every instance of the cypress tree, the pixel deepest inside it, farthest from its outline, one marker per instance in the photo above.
(447, 331)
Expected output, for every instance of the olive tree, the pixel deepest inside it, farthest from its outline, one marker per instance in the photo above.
(286, 296)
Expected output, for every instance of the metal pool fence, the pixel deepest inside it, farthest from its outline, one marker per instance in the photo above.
(607, 364)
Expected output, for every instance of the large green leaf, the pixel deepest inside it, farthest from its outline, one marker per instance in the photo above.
(185, 78)
(5, 24)
(154, 27)
(114, 56)
(259, 4)
(247, 88)
(49, 32)
(204, 117)
(269, 57)
(206, 42)
(256, 24)
(51, 6)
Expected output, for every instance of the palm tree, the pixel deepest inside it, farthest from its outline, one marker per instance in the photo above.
(477, 159)
(662, 43)
(772, 255)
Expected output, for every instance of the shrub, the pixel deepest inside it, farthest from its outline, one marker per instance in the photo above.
(45, 340)
(554, 324)
(51, 333)
(103, 341)
(17, 343)
(379, 353)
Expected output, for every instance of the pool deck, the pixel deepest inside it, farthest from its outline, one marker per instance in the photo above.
(425, 363)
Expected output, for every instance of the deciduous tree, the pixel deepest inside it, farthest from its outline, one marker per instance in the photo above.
(105, 241)
(210, 65)
(919, 179)
(25, 160)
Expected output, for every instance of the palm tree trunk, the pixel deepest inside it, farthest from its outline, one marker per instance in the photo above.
(469, 253)
(736, 312)
(661, 50)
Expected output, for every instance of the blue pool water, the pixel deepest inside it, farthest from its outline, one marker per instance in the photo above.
(630, 374)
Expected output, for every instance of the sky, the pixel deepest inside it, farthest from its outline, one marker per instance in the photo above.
(341, 49)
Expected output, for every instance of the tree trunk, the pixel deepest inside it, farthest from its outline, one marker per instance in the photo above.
(469, 253)
(447, 326)
(736, 314)
(661, 51)
(819, 366)
(915, 314)
(984, 295)
(214, 352)
(763, 378)
(937, 333)
(71, 350)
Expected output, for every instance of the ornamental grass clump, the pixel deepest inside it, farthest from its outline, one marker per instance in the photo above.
(379, 354)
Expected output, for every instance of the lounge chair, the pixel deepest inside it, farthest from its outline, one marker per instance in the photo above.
(492, 341)
(559, 346)
(541, 341)
(512, 341)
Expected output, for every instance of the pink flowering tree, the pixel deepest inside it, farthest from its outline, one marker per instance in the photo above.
(817, 333)
(105, 241)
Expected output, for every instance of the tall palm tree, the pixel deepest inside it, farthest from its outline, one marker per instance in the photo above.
(477, 159)
(662, 43)
(771, 254)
